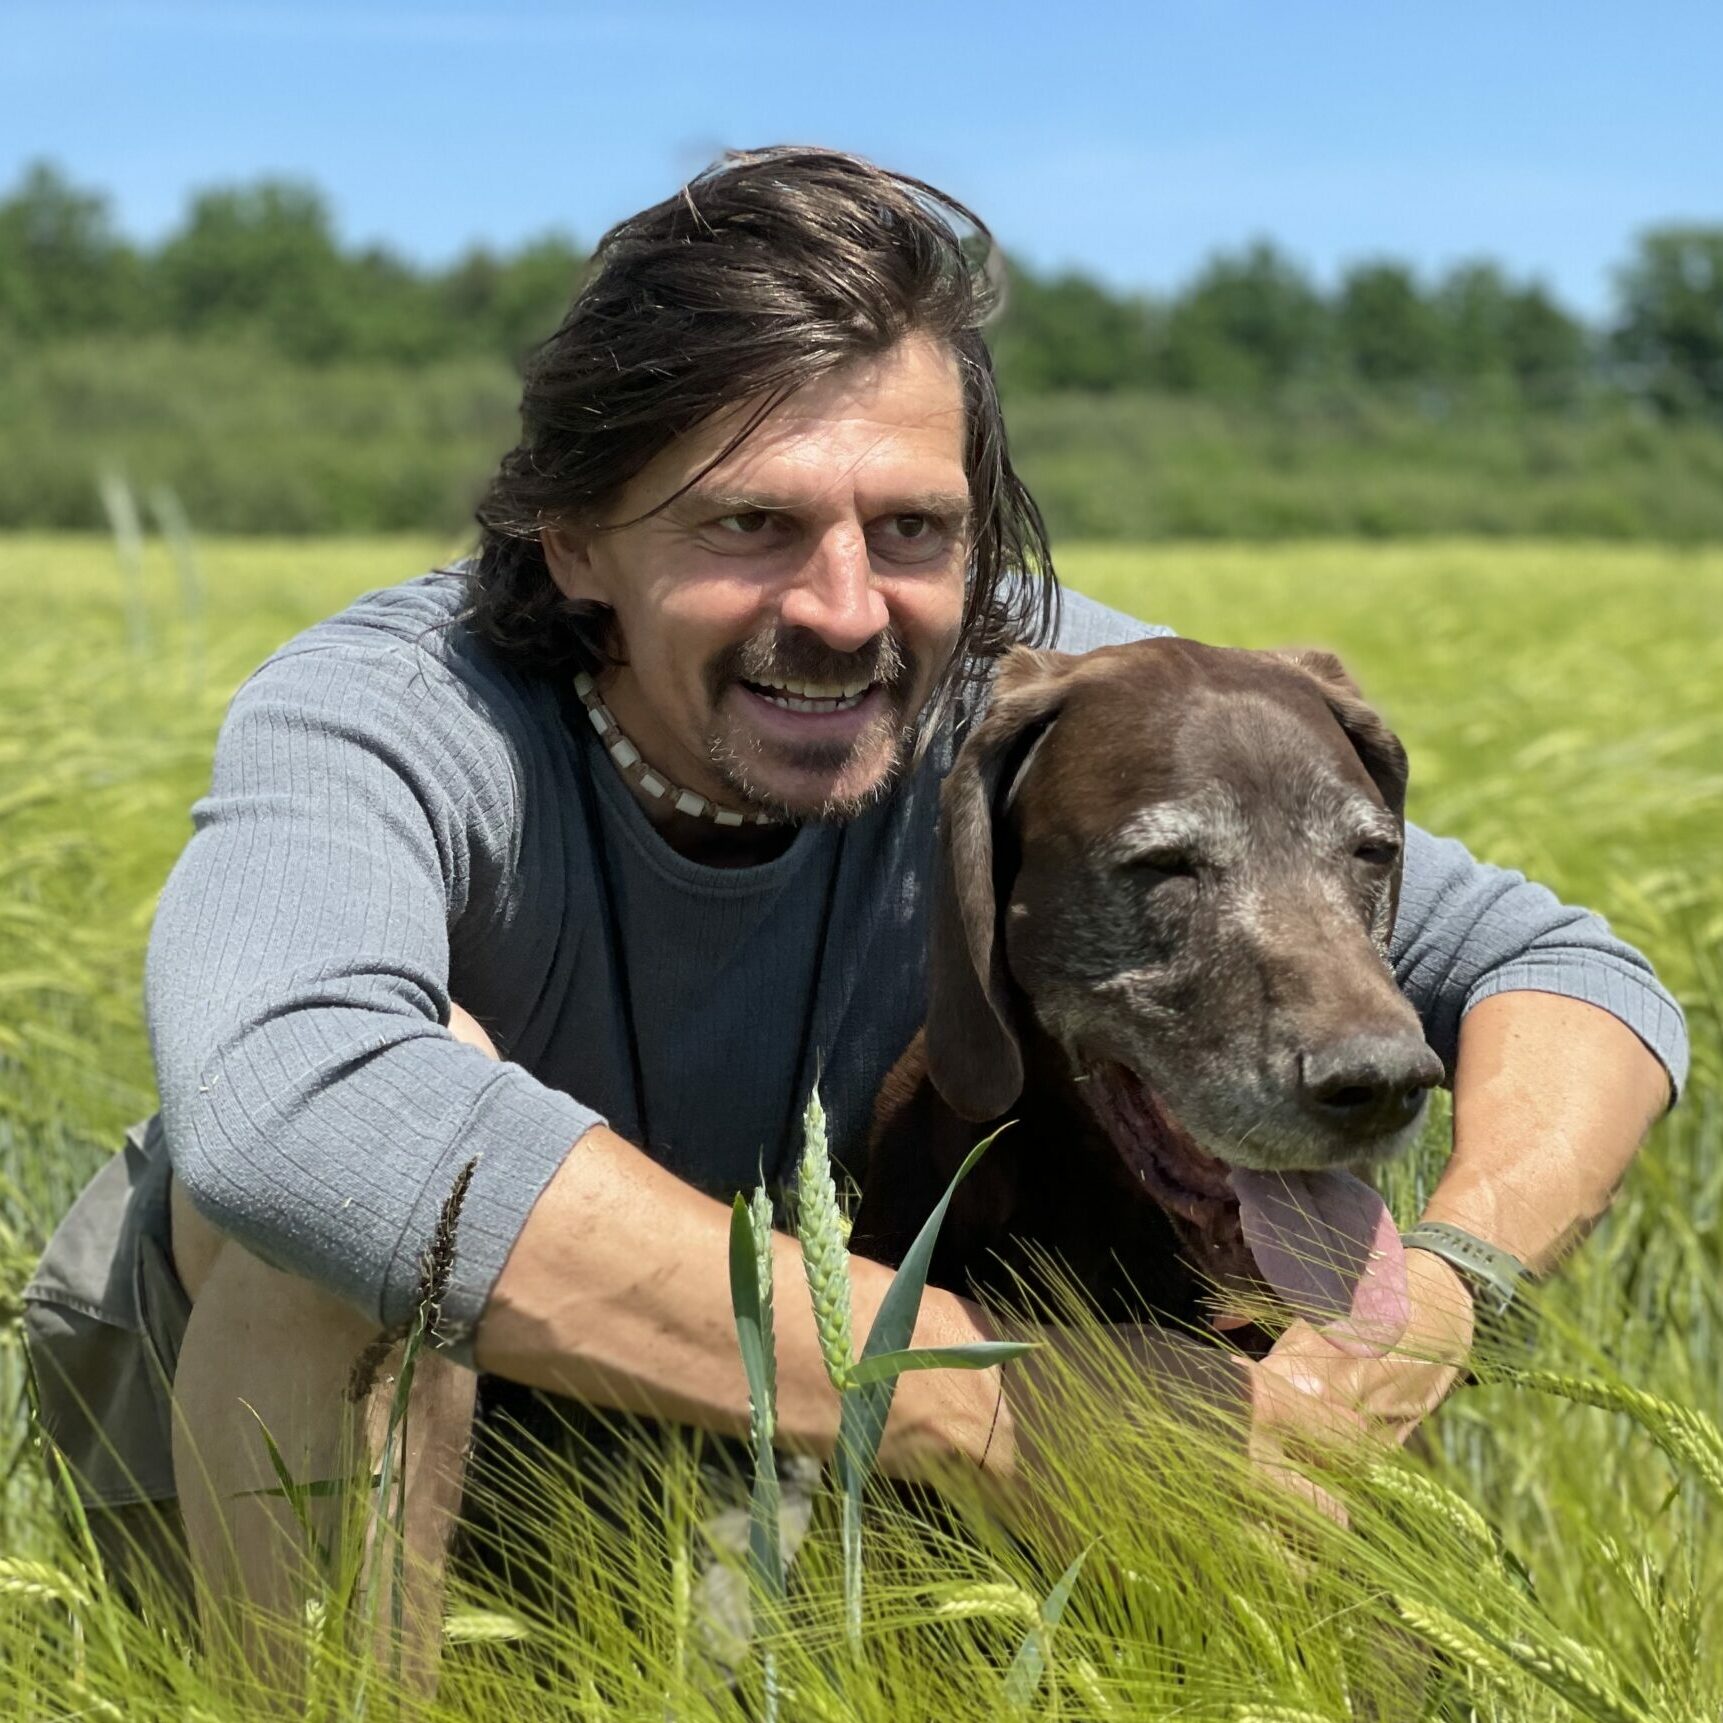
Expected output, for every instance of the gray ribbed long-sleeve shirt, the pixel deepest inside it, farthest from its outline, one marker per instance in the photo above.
(396, 822)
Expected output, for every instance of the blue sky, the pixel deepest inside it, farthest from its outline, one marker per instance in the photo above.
(1130, 140)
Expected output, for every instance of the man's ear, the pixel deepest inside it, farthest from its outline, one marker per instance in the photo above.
(568, 557)
(1380, 750)
(973, 1055)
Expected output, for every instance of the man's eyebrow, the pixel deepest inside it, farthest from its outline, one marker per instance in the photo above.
(718, 501)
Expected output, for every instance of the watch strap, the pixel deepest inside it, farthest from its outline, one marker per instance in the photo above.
(1494, 1274)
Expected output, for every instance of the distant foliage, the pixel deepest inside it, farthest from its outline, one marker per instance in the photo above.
(248, 440)
(262, 262)
(1069, 333)
(1671, 330)
(1247, 325)
(1354, 462)
(281, 380)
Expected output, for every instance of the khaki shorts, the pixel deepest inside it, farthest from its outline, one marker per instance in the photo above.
(103, 1319)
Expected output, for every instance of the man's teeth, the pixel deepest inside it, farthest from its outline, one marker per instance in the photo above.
(813, 696)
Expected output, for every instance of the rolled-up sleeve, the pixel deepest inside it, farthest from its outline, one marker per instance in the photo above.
(297, 987)
(1467, 931)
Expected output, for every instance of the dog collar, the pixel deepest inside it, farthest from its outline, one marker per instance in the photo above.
(635, 770)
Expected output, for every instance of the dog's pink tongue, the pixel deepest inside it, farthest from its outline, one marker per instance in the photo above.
(1327, 1244)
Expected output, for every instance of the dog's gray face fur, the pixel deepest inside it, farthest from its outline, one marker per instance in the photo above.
(1183, 860)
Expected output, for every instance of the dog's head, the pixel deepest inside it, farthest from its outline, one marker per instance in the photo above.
(1181, 863)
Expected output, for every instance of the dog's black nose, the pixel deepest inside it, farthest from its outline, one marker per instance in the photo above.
(1367, 1086)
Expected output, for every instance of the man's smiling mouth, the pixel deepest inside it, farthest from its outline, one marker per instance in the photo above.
(797, 696)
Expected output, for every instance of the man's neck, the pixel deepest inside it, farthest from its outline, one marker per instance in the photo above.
(700, 840)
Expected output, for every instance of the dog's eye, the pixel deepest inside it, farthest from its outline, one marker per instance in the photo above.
(1377, 852)
(1166, 864)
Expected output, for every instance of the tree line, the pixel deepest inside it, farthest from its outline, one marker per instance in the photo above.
(262, 264)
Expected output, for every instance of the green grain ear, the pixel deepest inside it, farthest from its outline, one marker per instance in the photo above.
(824, 1239)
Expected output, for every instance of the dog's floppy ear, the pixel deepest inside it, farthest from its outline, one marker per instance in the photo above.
(973, 1056)
(1377, 747)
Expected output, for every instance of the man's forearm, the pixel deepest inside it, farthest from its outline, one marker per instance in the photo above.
(1552, 1097)
(617, 1293)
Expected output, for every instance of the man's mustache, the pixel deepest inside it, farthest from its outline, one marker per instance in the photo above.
(798, 655)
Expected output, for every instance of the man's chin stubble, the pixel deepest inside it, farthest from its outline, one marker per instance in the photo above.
(741, 773)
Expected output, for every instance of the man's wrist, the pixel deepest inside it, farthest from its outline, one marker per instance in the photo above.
(1492, 1275)
(1444, 1309)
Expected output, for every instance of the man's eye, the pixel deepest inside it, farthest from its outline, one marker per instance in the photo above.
(750, 523)
(910, 537)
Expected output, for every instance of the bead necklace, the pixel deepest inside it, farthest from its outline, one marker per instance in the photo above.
(629, 763)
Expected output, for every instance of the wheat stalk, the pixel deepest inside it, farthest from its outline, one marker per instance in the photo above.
(1568, 1669)
(1422, 1494)
(984, 1601)
(22, 1578)
(1474, 1654)
(1268, 1646)
(1684, 1433)
(763, 1410)
(1564, 1668)
(1277, 1714)
(1086, 1679)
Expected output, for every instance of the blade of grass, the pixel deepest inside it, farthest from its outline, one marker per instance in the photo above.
(751, 1300)
(1024, 1675)
(976, 1355)
(121, 507)
(865, 1409)
(295, 1494)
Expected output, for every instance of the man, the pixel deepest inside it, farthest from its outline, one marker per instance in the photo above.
(576, 865)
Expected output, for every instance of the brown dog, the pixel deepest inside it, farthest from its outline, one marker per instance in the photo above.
(1168, 875)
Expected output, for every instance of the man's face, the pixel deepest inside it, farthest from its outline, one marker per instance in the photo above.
(786, 618)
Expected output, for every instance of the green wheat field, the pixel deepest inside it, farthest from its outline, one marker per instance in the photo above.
(1554, 1547)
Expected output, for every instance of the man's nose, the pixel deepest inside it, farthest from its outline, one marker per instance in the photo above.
(833, 595)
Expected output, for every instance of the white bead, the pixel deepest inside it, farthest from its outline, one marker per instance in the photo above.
(726, 817)
(583, 684)
(653, 786)
(689, 803)
(623, 751)
(600, 718)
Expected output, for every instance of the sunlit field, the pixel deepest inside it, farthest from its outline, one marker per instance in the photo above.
(1537, 1558)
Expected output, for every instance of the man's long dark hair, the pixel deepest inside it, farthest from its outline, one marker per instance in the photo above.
(769, 270)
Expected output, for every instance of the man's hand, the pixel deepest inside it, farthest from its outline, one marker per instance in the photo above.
(1307, 1394)
(1551, 1098)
